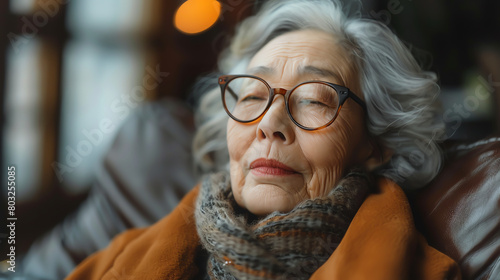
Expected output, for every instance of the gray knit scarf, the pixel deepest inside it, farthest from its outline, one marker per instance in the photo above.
(280, 246)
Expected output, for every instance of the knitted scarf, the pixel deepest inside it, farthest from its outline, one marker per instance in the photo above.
(280, 246)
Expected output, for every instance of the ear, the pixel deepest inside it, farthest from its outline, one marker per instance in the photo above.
(379, 155)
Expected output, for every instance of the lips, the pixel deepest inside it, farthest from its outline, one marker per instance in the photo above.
(264, 166)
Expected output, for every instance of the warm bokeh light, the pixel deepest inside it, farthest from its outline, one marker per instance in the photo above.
(195, 16)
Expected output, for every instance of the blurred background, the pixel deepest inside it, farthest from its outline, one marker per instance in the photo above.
(71, 71)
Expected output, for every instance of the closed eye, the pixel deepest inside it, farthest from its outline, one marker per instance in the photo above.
(312, 102)
(252, 97)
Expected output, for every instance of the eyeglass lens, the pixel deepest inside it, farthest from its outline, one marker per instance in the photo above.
(311, 104)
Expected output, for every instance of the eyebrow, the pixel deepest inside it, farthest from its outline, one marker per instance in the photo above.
(261, 70)
(319, 71)
(304, 70)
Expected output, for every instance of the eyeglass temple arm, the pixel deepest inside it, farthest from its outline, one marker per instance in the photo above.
(357, 99)
(232, 92)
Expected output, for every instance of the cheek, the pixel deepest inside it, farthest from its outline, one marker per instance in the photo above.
(326, 157)
(345, 141)
(329, 155)
(238, 140)
(326, 151)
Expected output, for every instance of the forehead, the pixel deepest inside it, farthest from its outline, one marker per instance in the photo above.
(304, 53)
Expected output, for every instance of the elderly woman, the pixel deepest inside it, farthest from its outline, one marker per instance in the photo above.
(322, 116)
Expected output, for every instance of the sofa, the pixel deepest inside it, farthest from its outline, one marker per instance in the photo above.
(459, 211)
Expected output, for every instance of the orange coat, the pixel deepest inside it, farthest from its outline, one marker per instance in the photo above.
(380, 244)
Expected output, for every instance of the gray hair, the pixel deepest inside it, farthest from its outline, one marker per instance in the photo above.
(401, 98)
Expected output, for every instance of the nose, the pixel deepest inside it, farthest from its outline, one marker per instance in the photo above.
(275, 125)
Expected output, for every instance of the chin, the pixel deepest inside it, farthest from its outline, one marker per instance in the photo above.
(262, 206)
(261, 211)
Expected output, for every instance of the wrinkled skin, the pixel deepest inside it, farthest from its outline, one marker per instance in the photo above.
(319, 158)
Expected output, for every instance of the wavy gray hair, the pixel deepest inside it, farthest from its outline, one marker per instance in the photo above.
(401, 98)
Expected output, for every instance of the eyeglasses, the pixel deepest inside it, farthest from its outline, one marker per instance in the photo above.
(311, 105)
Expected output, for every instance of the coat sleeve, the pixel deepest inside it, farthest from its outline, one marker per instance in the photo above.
(166, 250)
(383, 243)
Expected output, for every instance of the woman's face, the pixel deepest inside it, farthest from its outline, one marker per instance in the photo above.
(274, 164)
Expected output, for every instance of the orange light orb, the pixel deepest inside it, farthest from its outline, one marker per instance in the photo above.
(195, 16)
